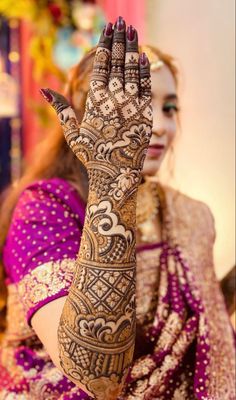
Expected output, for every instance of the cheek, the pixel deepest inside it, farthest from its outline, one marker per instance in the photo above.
(171, 131)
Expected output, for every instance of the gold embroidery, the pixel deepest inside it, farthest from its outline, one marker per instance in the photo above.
(182, 392)
(45, 281)
(48, 279)
(147, 284)
(142, 367)
(170, 332)
(17, 328)
(191, 227)
(162, 306)
(171, 361)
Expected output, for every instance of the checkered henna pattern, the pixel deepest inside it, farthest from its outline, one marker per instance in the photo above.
(97, 329)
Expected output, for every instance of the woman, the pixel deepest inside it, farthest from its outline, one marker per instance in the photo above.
(175, 341)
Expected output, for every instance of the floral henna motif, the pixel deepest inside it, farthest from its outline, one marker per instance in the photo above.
(117, 123)
(96, 334)
(123, 183)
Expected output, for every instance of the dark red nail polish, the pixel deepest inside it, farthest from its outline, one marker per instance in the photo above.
(46, 95)
(120, 24)
(143, 59)
(130, 33)
(108, 29)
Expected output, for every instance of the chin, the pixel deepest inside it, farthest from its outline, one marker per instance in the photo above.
(151, 167)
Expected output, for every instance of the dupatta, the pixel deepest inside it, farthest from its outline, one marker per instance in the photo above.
(191, 342)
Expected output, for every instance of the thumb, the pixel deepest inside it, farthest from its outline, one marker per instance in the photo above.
(62, 107)
(65, 114)
(57, 101)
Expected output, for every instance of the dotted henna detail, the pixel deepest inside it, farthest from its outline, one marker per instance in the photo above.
(96, 334)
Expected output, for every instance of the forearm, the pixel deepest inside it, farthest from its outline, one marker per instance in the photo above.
(97, 329)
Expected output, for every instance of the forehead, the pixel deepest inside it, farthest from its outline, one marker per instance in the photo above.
(163, 82)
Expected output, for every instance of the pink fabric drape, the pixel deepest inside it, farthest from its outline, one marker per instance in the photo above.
(133, 11)
(30, 92)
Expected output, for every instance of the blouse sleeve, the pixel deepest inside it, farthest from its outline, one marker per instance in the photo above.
(43, 242)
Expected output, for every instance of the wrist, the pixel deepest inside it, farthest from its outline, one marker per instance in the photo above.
(109, 228)
(124, 207)
(118, 185)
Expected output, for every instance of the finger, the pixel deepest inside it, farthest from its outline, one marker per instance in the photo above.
(116, 81)
(65, 114)
(101, 64)
(145, 89)
(132, 62)
(145, 76)
(56, 100)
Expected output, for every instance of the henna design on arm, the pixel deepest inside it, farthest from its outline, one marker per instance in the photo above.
(97, 329)
(96, 334)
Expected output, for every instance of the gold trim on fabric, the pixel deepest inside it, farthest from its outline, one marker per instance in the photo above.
(17, 327)
(45, 281)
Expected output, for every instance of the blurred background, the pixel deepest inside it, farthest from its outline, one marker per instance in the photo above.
(41, 40)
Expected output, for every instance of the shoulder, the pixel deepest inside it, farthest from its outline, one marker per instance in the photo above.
(179, 199)
(46, 225)
(50, 190)
(193, 214)
(49, 198)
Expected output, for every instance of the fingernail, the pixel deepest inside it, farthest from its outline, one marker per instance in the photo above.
(108, 29)
(143, 59)
(46, 95)
(130, 33)
(120, 24)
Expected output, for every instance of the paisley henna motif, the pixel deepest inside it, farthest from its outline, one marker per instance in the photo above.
(96, 345)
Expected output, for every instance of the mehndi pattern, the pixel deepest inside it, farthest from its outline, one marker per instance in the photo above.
(98, 324)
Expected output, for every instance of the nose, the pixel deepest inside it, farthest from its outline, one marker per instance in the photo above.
(159, 132)
(159, 125)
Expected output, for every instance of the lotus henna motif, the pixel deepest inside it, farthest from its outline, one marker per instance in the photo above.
(126, 180)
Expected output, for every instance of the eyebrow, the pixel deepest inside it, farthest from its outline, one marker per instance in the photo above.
(171, 96)
(168, 97)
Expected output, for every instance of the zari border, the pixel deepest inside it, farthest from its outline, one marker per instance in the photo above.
(46, 283)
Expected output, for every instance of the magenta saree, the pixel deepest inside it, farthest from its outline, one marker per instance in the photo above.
(184, 346)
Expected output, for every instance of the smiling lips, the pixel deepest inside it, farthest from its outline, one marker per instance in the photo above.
(155, 150)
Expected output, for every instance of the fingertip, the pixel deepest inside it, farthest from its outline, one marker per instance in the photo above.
(46, 94)
(131, 33)
(108, 30)
(106, 36)
(144, 61)
(131, 39)
(120, 24)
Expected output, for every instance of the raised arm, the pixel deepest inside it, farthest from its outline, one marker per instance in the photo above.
(96, 332)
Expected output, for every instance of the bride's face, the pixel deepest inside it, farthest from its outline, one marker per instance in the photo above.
(165, 108)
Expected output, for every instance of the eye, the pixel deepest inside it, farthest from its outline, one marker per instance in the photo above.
(170, 109)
